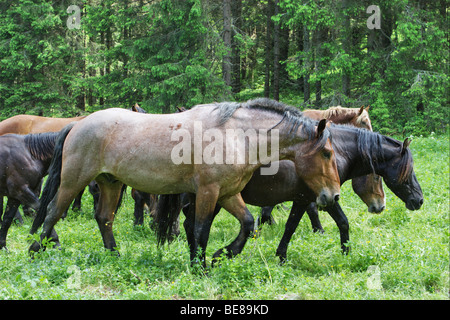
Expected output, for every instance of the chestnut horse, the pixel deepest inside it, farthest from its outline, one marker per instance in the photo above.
(25, 124)
(100, 148)
(358, 117)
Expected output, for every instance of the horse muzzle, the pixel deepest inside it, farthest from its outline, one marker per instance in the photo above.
(327, 198)
(414, 203)
(377, 206)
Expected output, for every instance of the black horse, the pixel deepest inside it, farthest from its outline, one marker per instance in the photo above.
(358, 152)
(24, 161)
(361, 152)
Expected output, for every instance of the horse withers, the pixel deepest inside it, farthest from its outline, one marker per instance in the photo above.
(100, 148)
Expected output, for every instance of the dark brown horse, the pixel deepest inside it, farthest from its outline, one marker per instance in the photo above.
(358, 153)
(24, 161)
(27, 124)
(99, 148)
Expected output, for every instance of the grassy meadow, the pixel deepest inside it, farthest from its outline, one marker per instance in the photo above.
(398, 254)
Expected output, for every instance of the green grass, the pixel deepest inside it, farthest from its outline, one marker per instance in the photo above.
(409, 250)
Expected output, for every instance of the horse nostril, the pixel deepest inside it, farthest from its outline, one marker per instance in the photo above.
(336, 198)
(421, 201)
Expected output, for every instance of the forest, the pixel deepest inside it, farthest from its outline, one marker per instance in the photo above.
(70, 57)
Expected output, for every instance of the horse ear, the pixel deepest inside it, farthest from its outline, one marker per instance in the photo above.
(367, 109)
(406, 143)
(321, 126)
(361, 110)
(135, 108)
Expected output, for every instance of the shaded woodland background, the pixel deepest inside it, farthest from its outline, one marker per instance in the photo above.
(162, 54)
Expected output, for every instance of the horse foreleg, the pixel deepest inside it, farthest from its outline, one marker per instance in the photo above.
(28, 197)
(236, 206)
(76, 206)
(139, 202)
(104, 215)
(266, 216)
(341, 220)
(295, 216)
(313, 214)
(11, 209)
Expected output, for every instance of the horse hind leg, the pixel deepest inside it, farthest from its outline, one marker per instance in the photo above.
(205, 203)
(55, 209)
(104, 215)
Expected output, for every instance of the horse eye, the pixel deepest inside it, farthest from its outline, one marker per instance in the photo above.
(327, 154)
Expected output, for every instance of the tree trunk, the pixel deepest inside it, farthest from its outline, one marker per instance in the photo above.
(268, 47)
(306, 64)
(235, 47)
(299, 39)
(346, 42)
(319, 38)
(226, 65)
(276, 56)
(102, 69)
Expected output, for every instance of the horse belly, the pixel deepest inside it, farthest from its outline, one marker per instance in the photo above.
(268, 190)
(169, 179)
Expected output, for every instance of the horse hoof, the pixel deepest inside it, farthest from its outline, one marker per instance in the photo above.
(35, 247)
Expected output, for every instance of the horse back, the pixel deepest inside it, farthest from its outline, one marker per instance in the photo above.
(25, 124)
(121, 142)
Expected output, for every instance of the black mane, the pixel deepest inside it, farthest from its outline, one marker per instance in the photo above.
(41, 145)
(370, 147)
(292, 116)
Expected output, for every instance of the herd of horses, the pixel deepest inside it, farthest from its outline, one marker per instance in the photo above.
(112, 148)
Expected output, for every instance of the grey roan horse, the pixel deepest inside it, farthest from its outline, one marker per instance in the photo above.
(101, 147)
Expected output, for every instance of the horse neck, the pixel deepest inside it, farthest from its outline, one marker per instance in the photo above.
(274, 135)
(342, 117)
(337, 116)
(351, 163)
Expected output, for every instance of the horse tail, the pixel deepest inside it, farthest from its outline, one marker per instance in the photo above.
(166, 214)
(53, 180)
